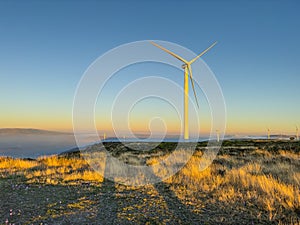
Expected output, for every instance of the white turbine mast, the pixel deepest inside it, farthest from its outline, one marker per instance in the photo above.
(187, 74)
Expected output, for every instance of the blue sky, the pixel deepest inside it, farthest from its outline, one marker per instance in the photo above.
(45, 47)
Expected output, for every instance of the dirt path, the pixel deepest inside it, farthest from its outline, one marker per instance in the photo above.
(107, 203)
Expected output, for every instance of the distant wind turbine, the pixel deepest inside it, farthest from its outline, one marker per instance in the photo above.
(218, 135)
(268, 133)
(187, 73)
(297, 133)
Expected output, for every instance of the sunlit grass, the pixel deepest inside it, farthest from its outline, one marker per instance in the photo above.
(50, 170)
(7, 163)
(56, 161)
(268, 182)
(87, 175)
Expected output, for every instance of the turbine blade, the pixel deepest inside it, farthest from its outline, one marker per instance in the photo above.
(192, 80)
(202, 53)
(171, 53)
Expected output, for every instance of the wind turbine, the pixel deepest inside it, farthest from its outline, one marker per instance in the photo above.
(297, 133)
(218, 135)
(187, 73)
(268, 133)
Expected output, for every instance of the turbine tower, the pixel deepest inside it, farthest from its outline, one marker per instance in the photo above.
(187, 73)
(268, 133)
(218, 135)
(297, 133)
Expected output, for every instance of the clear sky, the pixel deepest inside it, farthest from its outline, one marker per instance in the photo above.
(45, 47)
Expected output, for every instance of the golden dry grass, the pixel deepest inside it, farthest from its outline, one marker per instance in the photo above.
(274, 187)
(7, 163)
(50, 170)
(267, 182)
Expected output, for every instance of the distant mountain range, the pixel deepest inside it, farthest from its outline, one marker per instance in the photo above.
(15, 131)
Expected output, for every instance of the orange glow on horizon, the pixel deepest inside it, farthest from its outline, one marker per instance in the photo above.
(233, 127)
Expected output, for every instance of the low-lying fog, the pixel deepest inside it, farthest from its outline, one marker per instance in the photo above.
(34, 143)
